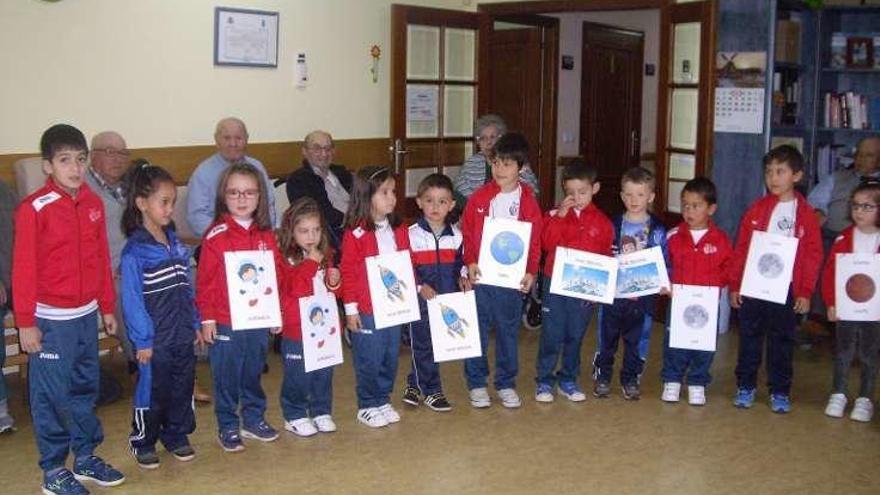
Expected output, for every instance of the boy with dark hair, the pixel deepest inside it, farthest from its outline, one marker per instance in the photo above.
(575, 224)
(629, 319)
(435, 243)
(783, 212)
(504, 197)
(699, 254)
(61, 278)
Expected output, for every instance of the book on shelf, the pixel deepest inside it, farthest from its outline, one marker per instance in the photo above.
(786, 98)
(850, 110)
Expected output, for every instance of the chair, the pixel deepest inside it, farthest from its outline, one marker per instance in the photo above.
(29, 175)
(281, 201)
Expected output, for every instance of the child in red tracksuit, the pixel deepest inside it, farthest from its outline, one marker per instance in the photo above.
(237, 356)
(371, 228)
(575, 224)
(783, 212)
(304, 242)
(699, 254)
(853, 338)
(504, 197)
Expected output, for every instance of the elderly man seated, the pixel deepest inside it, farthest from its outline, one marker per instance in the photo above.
(318, 178)
(231, 137)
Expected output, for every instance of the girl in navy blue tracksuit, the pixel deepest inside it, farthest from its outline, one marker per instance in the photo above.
(159, 309)
(371, 228)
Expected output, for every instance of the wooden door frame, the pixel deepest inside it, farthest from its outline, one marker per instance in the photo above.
(637, 111)
(550, 89)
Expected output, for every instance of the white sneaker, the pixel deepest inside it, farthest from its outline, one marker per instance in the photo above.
(544, 393)
(863, 410)
(836, 405)
(671, 392)
(325, 423)
(372, 417)
(480, 397)
(302, 427)
(696, 395)
(390, 414)
(509, 398)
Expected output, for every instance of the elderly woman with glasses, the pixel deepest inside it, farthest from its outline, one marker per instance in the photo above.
(477, 169)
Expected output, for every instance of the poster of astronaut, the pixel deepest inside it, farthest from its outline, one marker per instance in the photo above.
(455, 333)
(584, 275)
(856, 277)
(693, 319)
(253, 289)
(769, 266)
(321, 331)
(392, 289)
(504, 252)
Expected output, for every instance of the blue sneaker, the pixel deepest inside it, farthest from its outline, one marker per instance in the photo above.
(780, 403)
(745, 398)
(230, 441)
(93, 468)
(62, 482)
(544, 393)
(260, 431)
(572, 391)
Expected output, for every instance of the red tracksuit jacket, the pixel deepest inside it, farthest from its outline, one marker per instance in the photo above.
(296, 281)
(808, 259)
(477, 209)
(843, 244)
(706, 263)
(60, 254)
(357, 245)
(212, 297)
(591, 231)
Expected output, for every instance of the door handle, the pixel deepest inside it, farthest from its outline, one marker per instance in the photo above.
(634, 143)
(398, 151)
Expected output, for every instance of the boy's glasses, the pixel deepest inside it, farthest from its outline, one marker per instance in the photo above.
(866, 207)
(247, 193)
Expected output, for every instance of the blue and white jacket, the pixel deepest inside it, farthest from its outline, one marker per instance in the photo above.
(436, 259)
(158, 300)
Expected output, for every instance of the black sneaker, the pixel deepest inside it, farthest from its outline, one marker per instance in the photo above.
(602, 390)
(631, 392)
(438, 402)
(145, 458)
(184, 453)
(411, 396)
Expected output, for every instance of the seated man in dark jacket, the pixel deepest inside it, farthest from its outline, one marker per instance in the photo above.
(321, 180)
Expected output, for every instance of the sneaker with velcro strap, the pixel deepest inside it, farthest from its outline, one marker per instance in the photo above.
(93, 468)
(62, 482)
(261, 431)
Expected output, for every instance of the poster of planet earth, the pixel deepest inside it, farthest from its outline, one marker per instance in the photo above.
(507, 248)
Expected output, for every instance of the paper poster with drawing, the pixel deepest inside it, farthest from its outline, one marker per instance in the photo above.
(769, 266)
(584, 275)
(253, 289)
(504, 252)
(856, 280)
(693, 319)
(455, 332)
(392, 289)
(641, 273)
(321, 331)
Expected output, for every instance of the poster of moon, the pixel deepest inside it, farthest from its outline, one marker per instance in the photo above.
(693, 319)
(769, 266)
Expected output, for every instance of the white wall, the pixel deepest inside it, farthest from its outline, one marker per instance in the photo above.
(145, 68)
(570, 43)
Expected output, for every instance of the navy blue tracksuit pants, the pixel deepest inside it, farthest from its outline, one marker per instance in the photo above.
(375, 352)
(167, 382)
(777, 323)
(563, 328)
(628, 321)
(303, 395)
(425, 373)
(237, 360)
(500, 308)
(680, 362)
(63, 383)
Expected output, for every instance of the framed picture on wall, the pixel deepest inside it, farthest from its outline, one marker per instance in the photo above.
(245, 37)
(860, 52)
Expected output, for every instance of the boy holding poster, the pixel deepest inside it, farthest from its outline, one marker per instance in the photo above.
(576, 224)
(855, 337)
(435, 243)
(699, 253)
(629, 319)
(303, 239)
(782, 212)
(508, 198)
